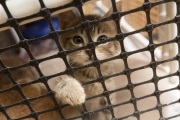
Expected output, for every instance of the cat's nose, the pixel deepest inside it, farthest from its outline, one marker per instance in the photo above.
(89, 53)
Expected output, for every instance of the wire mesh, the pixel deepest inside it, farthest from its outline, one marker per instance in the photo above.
(57, 109)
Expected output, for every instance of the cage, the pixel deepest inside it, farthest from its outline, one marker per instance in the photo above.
(36, 64)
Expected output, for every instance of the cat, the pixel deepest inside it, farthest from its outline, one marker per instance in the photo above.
(69, 89)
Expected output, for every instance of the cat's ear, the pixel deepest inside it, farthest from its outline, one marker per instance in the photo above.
(66, 17)
(118, 6)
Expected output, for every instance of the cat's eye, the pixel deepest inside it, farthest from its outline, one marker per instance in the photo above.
(77, 40)
(102, 38)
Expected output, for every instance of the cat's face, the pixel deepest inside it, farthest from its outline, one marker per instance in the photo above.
(99, 32)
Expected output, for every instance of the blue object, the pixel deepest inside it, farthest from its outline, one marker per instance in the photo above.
(39, 28)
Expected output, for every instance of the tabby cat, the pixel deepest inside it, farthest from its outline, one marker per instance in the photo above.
(69, 89)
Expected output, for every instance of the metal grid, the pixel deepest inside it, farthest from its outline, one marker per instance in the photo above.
(85, 24)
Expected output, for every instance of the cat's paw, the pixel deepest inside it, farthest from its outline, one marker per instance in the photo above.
(69, 91)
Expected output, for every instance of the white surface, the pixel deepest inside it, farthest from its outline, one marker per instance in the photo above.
(55, 3)
(24, 8)
(138, 41)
